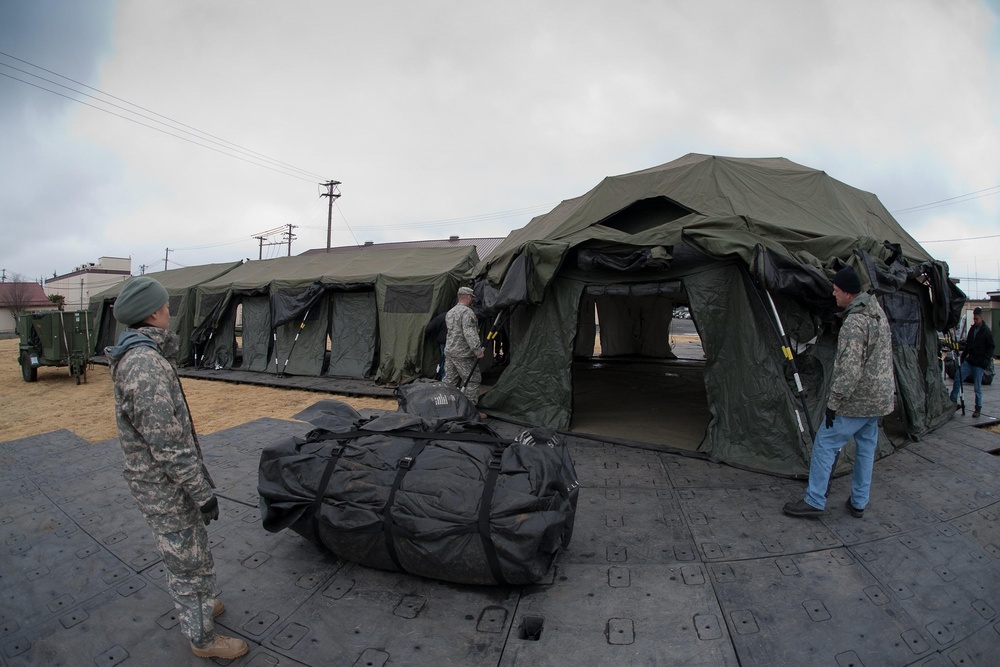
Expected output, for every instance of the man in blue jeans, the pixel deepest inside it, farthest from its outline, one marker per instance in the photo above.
(863, 390)
(975, 359)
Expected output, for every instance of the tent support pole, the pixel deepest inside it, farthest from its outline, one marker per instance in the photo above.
(274, 337)
(302, 325)
(786, 349)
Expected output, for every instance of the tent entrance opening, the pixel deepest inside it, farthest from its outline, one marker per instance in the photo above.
(657, 399)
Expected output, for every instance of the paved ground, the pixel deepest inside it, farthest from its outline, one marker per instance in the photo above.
(674, 561)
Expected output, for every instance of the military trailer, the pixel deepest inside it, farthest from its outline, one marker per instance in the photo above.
(54, 338)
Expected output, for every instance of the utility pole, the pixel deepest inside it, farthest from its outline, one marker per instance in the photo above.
(333, 193)
(142, 269)
(284, 230)
(290, 237)
(165, 259)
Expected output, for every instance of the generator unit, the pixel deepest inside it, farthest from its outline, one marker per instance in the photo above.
(54, 338)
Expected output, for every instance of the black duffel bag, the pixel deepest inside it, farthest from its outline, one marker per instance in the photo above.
(447, 499)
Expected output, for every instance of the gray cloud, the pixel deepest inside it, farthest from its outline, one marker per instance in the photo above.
(432, 112)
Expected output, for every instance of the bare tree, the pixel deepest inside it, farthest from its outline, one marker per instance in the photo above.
(16, 296)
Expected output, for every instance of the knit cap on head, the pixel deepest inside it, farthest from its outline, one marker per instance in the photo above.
(140, 298)
(847, 280)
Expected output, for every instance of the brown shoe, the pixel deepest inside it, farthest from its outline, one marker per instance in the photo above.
(219, 609)
(977, 411)
(227, 648)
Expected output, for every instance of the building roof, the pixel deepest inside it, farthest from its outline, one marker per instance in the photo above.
(35, 294)
(484, 245)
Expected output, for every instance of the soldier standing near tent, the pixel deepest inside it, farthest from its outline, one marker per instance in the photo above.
(975, 359)
(164, 467)
(463, 349)
(862, 390)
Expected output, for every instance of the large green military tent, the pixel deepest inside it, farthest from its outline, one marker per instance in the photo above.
(356, 312)
(750, 245)
(180, 284)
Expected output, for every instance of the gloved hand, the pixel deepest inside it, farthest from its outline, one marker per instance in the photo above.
(830, 416)
(210, 511)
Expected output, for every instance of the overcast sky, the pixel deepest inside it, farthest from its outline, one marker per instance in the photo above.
(468, 118)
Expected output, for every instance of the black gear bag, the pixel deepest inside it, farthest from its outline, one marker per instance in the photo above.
(442, 498)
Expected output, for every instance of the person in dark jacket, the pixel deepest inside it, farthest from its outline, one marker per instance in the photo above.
(164, 466)
(863, 389)
(975, 359)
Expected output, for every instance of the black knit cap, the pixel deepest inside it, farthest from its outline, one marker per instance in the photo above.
(847, 280)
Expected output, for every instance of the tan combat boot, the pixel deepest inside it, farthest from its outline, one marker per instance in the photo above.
(227, 648)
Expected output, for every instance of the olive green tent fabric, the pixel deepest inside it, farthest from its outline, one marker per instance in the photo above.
(180, 285)
(256, 333)
(404, 287)
(737, 234)
(353, 330)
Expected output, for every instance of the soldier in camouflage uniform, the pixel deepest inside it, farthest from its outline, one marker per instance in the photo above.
(164, 467)
(863, 390)
(463, 350)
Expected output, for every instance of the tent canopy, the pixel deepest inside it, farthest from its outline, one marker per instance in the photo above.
(734, 234)
(372, 304)
(179, 283)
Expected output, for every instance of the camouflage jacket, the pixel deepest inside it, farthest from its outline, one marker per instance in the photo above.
(463, 334)
(863, 381)
(164, 467)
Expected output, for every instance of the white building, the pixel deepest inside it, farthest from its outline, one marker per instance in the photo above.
(78, 285)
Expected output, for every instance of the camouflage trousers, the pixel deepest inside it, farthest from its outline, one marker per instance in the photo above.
(191, 579)
(457, 369)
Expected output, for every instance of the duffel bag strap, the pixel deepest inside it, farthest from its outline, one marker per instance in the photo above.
(402, 467)
(485, 507)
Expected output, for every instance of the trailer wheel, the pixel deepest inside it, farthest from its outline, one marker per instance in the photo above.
(28, 372)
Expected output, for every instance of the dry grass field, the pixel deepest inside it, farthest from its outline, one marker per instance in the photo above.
(56, 402)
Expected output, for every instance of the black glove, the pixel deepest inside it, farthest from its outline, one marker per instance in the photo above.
(210, 511)
(830, 416)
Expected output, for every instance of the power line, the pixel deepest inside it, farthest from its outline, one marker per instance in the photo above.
(280, 167)
(970, 238)
(958, 199)
(207, 134)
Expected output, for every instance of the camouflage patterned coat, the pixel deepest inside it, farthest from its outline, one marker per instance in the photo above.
(863, 381)
(463, 334)
(164, 467)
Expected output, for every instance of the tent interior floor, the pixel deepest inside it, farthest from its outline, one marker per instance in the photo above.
(660, 403)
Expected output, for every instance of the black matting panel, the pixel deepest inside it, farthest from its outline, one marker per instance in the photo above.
(733, 523)
(130, 624)
(890, 512)
(944, 581)
(823, 608)
(982, 648)
(263, 577)
(618, 614)
(635, 525)
(685, 471)
(983, 528)
(674, 560)
(974, 463)
(941, 491)
(364, 616)
(606, 465)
